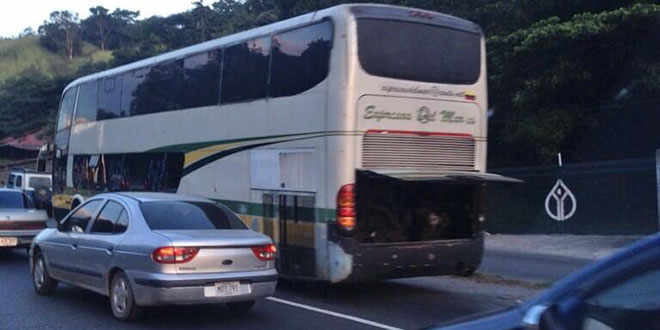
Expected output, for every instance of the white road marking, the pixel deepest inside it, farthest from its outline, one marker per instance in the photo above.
(335, 314)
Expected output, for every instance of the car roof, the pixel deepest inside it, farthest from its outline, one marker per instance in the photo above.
(155, 196)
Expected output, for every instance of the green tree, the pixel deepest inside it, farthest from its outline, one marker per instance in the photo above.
(98, 26)
(29, 102)
(547, 81)
(61, 32)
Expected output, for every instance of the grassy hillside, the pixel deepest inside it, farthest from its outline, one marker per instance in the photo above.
(18, 55)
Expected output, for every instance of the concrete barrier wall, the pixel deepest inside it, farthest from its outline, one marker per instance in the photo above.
(611, 198)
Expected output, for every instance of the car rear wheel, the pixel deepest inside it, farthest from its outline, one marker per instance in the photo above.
(44, 285)
(122, 300)
(241, 307)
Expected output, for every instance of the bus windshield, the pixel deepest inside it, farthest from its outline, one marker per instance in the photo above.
(447, 56)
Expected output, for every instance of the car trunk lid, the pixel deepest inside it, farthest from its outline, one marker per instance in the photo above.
(22, 219)
(219, 250)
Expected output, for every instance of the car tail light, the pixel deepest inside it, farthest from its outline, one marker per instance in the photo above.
(346, 215)
(22, 225)
(264, 252)
(174, 255)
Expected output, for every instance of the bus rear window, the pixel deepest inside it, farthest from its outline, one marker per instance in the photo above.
(419, 52)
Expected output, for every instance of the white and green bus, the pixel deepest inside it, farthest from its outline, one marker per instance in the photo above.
(354, 136)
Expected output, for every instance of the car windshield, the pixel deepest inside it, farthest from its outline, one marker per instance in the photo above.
(39, 182)
(11, 200)
(186, 215)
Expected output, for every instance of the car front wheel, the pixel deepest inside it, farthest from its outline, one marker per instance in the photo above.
(43, 284)
(122, 300)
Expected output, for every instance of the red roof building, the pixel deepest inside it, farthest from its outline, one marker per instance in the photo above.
(23, 147)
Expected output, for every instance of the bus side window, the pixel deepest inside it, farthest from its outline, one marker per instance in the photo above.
(132, 81)
(110, 98)
(201, 79)
(86, 109)
(301, 59)
(245, 71)
(162, 90)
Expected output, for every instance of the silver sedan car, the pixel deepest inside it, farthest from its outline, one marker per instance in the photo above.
(20, 222)
(147, 249)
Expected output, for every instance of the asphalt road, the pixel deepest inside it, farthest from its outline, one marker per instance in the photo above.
(528, 266)
(406, 304)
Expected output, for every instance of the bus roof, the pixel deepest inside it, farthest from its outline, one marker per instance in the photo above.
(370, 10)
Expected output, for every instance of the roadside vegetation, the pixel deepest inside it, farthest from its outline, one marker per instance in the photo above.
(553, 65)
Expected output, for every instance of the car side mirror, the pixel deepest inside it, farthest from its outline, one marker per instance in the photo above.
(60, 225)
(51, 223)
(551, 320)
(541, 317)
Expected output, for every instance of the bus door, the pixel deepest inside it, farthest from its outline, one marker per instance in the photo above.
(295, 221)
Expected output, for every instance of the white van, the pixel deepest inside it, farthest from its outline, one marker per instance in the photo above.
(36, 185)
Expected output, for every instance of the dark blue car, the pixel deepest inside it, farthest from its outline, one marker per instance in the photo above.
(619, 292)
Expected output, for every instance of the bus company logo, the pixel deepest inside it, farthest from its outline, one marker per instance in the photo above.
(560, 194)
(425, 115)
(447, 116)
(370, 112)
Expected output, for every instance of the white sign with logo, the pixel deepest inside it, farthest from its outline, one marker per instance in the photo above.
(560, 194)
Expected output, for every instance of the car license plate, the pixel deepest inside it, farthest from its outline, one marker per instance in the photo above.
(226, 289)
(8, 241)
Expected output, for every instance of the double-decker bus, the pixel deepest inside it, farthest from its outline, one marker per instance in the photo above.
(354, 136)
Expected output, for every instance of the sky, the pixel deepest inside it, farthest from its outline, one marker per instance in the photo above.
(16, 15)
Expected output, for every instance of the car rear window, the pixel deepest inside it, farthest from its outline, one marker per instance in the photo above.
(11, 200)
(184, 215)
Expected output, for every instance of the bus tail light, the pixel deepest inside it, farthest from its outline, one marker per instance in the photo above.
(346, 214)
(174, 255)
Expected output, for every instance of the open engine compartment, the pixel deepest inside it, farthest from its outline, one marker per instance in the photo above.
(392, 210)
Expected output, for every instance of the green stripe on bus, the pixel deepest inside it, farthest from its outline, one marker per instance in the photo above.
(315, 214)
(219, 155)
(188, 147)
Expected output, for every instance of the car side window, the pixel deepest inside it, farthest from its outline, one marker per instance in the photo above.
(19, 182)
(105, 222)
(78, 221)
(638, 293)
(627, 305)
(122, 222)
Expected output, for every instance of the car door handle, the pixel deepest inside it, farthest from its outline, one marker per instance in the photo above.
(74, 246)
(108, 251)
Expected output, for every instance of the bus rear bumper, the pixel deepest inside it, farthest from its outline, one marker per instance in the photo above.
(409, 259)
